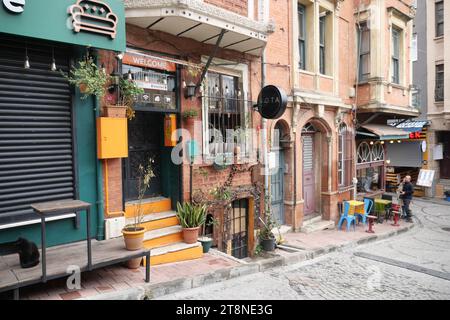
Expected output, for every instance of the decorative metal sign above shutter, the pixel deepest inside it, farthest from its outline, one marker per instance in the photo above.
(36, 147)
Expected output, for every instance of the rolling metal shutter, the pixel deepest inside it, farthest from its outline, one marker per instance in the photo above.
(36, 147)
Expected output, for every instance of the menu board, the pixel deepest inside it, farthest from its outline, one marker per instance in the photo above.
(426, 178)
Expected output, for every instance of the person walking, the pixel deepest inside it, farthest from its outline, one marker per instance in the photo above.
(406, 196)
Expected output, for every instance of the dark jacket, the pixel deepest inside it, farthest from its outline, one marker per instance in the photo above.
(408, 189)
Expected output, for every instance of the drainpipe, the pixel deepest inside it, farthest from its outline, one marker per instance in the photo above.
(264, 135)
(98, 169)
(294, 130)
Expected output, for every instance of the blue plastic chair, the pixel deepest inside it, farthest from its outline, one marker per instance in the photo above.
(346, 217)
(368, 204)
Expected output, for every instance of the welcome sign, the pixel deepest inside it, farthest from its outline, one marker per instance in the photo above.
(92, 23)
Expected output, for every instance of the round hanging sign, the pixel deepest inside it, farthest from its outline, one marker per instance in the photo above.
(272, 102)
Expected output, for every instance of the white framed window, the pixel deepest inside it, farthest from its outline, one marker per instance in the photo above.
(227, 117)
(363, 33)
(414, 49)
(396, 55)
(345, 139)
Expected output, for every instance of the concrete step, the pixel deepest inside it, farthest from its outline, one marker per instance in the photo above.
(318, 226)
(149, 206)
(157, 220)
(283, 230)
(162, 237)
(312, 220)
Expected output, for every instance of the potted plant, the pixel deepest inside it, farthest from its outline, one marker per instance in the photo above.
(189, 117)
(266, 236)
(89, 78)
(128, 90)
(133, 234)
(204, 239)
(191, 217)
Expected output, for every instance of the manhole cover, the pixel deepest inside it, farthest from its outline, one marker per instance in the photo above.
(446, 229)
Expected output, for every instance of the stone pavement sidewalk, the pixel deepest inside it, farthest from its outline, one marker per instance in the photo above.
(339, 238)
(118, 282)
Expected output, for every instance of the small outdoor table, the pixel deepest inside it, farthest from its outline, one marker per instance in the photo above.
(380, 206)
(59, 208)
(356, 207)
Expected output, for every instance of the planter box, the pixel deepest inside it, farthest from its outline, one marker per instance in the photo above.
(115, 111)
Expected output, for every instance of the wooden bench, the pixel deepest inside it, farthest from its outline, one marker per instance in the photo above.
(55, 262)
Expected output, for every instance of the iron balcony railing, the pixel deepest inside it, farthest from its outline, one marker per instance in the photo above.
(439, 92)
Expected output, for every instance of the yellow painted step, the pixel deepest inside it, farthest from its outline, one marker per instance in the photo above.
(162, 223)
(157, 220)
(149, 206)
(161, 237)
(175, 253)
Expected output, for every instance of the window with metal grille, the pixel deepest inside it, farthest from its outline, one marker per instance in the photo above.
(322, 44)
(439, 86)
(439, 13)
(302, 36)
(239, 232)
(364, 53)
(344, 156)
(228, 116)
(396, 55)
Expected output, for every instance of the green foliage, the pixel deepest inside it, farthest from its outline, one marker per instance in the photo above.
(145, 176)
(88, 74)
(191, 113)
(221, 193)
(265, 233)
(258, 250)
(191, 215)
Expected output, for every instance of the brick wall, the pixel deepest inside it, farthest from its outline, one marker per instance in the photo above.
(236, 6)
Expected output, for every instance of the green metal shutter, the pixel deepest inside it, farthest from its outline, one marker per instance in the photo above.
(36, 146)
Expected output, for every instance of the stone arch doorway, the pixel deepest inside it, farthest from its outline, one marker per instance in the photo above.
(281, 142)
(315, 162)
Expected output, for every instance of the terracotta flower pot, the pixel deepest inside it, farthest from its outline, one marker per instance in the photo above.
(190, 235)
(83, 87)
(189, 121)
(115, 111)
(133, 241)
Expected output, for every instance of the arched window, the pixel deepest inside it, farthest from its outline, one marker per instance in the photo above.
(344, 156)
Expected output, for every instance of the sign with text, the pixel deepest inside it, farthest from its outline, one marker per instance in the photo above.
(149, 62)
(425, 178)
(272, 102)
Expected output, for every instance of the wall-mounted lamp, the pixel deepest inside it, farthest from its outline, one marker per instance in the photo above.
(388, 161)
(392, 141)
(382, 142)
(26, 64)
(399, 141)
(190, 90)
(371, 143)
(120, 55)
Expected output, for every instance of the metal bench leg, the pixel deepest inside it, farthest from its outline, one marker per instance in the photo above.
(88, 225)
(147, 267)
(16, 294)
(43, 250)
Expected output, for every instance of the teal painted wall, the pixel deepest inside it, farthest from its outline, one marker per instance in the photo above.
(49, 19)
(63, 231)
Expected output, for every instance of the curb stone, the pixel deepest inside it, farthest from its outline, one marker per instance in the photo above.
(150, 291)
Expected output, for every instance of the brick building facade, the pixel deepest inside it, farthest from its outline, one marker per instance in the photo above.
(310, 51)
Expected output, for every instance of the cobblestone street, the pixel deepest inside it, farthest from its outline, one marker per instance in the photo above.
(414, 265)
